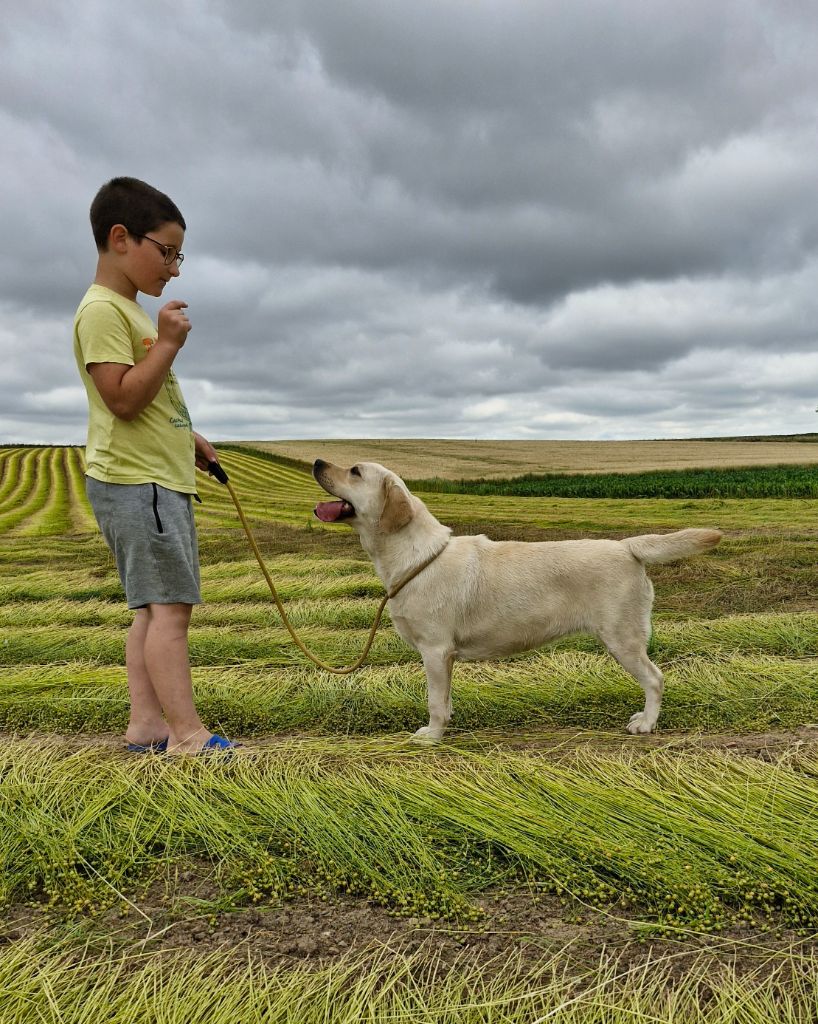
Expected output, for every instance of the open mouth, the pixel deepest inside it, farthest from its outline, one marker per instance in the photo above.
(333, 511)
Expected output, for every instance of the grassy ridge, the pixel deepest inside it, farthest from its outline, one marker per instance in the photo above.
(786, 635)
(301, 465)
(568, 688)
(758, 482)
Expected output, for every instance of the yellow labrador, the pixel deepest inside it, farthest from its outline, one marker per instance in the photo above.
(475, 599)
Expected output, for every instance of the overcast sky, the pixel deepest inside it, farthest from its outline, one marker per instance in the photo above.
(429, 218)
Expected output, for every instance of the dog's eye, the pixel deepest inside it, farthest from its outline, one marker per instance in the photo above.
(355, 471)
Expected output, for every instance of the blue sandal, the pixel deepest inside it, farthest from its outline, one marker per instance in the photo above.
(219, 745)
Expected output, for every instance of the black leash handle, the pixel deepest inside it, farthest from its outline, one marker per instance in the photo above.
(214, 469)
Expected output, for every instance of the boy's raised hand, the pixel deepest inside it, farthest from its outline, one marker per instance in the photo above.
(173, 324)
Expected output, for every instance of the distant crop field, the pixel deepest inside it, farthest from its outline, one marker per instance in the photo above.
(454, 460)
(334, 871)
(788, 481)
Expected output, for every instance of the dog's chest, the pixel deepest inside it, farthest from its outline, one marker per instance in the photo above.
(403, 627)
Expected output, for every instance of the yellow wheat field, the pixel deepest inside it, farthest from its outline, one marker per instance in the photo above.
(456, 460)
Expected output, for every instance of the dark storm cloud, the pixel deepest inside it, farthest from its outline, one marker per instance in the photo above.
(458, 218)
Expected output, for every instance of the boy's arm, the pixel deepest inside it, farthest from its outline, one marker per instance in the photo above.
(127, 390)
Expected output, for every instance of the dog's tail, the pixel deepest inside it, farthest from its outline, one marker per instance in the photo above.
(667, 547)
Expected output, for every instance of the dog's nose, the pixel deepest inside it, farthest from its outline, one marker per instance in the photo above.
(318, 465)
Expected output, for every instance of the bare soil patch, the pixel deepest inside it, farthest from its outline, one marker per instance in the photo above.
(522, 924)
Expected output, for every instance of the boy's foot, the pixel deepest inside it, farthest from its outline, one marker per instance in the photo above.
(155, 747)
(146, 734)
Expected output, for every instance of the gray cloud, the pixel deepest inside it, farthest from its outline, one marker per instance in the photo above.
(442, 218)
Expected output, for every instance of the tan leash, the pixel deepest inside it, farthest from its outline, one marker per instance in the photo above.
(216, 470)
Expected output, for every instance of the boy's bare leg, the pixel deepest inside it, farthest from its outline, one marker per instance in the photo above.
(146, 725)
(165, 651)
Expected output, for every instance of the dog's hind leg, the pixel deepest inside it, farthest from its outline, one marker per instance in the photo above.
(438, 667)
(626, 637)
(633, 657)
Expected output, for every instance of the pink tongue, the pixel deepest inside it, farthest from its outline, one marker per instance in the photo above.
(329, 511)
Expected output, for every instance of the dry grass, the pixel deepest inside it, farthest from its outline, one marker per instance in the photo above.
(454, 460)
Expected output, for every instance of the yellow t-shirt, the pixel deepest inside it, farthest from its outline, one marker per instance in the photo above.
(155, 447)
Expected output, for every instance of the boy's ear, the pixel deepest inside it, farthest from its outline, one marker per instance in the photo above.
(397, 508)
(118, 238)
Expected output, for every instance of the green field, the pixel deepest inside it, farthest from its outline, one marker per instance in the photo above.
(758, 482)
(540, 865)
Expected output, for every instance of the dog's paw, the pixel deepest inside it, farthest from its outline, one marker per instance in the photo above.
(639, 725)
(427, 736)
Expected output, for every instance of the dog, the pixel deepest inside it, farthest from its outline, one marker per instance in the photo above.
(474, 599)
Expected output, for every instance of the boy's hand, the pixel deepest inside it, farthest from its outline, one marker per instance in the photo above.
(173, 324)
(205, 452)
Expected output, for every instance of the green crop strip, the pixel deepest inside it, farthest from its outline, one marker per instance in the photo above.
(786, 481)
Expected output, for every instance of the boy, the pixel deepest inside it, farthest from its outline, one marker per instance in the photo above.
(141, 453)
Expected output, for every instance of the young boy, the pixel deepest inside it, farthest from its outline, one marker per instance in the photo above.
(141, 453)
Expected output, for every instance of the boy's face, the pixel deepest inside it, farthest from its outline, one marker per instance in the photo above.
(144, 258)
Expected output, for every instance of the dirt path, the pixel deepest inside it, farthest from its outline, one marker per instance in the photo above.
(769, 746)
(531, 927)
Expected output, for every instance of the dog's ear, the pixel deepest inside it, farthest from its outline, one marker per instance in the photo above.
(397, 508)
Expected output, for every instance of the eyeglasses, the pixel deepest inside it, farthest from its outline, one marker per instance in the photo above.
(170, 252)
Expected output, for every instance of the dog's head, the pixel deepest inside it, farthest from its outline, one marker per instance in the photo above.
(368, 496)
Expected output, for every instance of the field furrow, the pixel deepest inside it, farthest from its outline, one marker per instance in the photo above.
(18, 487)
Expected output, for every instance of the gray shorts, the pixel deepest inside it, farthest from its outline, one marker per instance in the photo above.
(152, 534)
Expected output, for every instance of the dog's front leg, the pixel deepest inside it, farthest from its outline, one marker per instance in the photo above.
(438, 667)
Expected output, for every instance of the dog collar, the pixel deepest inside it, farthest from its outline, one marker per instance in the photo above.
(416, 571)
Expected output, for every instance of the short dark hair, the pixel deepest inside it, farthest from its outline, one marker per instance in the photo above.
(134, 203)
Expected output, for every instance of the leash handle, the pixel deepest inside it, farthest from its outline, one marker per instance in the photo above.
(214, 469)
